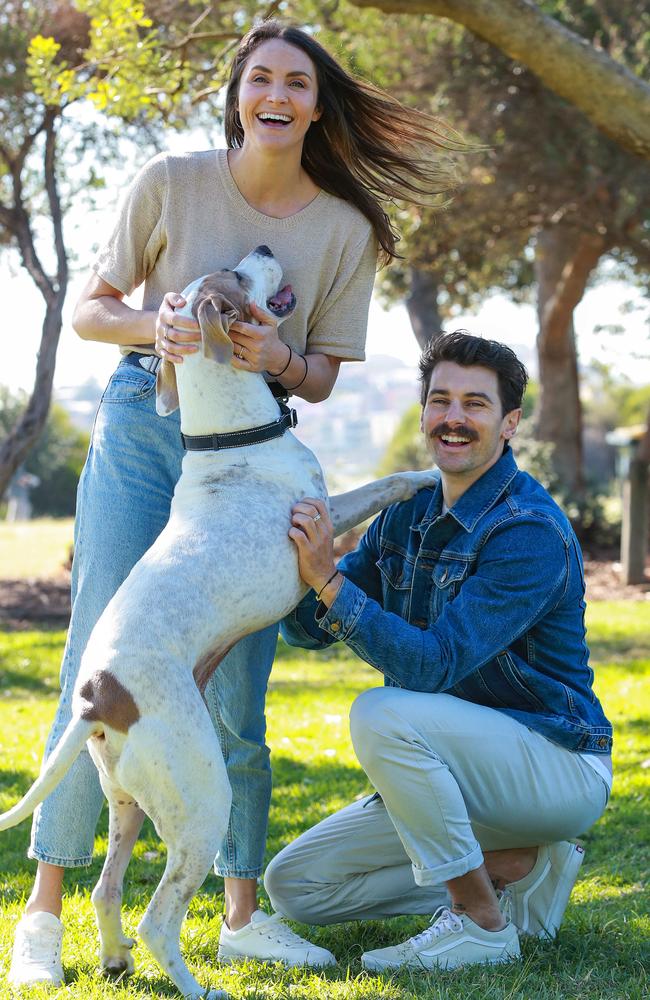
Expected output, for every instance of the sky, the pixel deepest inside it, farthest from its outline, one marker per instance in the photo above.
(389, 332)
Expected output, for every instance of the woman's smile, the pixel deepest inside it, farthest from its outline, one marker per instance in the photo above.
(278, 93)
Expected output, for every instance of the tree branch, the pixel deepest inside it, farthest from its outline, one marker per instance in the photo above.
(558, 306)
(21, 229)
(18, 442)
(203, 36)
(54, 200)
(615, 100)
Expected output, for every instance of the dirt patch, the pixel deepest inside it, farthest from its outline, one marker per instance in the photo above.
(604, 583)
(26, 602)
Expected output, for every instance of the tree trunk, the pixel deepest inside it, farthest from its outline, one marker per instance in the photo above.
(610, 95)
(563, 262)
(422, 306)
(28, 428)
(25, 433)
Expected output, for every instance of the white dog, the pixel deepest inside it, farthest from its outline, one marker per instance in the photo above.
(222, 568)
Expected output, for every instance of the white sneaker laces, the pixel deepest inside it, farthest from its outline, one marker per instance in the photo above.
(40, 949)
(443, 921)
(280, 932)
(505, 903)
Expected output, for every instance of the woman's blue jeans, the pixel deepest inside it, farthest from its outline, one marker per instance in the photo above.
(123, 504)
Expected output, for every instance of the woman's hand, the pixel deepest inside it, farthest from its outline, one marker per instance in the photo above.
(176, 335)
(312, 532)
(258, 348)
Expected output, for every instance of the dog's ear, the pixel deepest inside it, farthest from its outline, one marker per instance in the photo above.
(166, 389)
(216, 314)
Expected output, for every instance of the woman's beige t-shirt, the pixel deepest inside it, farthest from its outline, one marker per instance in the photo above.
(184, 216)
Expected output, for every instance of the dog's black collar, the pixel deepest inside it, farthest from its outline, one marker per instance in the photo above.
(238, 439)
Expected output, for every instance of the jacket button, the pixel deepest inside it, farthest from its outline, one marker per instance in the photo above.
(335, 627)
(603, 741)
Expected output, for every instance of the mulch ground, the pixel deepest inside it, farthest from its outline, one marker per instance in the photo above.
(27, 603)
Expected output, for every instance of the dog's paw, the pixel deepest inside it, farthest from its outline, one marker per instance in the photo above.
(120, 962)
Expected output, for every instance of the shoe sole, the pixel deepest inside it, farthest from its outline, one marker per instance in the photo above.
(378, 965)
(560, 900)
(235, 959)
(21, 984)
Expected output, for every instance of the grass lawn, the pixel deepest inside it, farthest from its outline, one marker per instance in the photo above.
(602, 950)
(34, 548)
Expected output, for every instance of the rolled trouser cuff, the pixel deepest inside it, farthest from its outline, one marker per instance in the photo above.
(49, 859)
(255, 873)
(452, 869)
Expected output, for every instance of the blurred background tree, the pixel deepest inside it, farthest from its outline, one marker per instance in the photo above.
(140, 67)
(545, 206)
(56, 460)
(552, 195)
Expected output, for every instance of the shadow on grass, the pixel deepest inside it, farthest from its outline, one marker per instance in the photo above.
(300, 799)
(15, 783)
(638, 727)
(14, 681)
(284, 652)
(634, 659)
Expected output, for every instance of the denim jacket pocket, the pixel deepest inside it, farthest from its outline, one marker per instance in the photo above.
(397, 578)
(449, 573)
(127, 385)
(447, 577)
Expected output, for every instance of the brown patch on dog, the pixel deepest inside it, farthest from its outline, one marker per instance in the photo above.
(222, 299)
(108, 701)
(166, 389)
(206, 665)
(227, 284)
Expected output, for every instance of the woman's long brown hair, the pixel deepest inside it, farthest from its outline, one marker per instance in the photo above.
(367, 148)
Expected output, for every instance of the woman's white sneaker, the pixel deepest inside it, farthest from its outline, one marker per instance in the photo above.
(268, 939)
(36, 956)
(449, 942)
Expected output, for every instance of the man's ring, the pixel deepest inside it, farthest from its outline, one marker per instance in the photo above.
(316, 516)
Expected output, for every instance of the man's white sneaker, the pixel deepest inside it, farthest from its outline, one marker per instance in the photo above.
(269, 939)
(538, 901)
(450, 941)
(36, 956)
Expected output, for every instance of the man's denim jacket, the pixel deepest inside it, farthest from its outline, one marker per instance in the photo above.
(485, 602)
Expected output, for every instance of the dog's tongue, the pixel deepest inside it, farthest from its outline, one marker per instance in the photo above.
(281, 298)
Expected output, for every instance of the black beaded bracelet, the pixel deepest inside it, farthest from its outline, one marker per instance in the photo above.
(293, 387)
(326, 584)
(286, 366)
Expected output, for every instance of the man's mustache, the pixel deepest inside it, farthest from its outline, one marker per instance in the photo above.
(462, 431)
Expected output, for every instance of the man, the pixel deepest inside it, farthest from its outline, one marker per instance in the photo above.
(488, 749)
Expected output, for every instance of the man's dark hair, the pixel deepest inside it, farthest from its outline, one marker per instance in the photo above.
(464, 349)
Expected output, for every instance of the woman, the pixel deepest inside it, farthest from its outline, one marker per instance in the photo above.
(311, 153)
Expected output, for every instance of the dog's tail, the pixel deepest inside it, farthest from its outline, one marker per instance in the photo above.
(56, 766)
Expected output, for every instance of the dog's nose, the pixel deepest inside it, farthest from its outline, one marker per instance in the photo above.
(264, 251)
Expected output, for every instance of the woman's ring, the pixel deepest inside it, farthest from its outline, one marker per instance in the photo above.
(316, 517)
(241, 354)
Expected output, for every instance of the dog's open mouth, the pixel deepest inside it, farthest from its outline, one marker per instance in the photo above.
(282, 303)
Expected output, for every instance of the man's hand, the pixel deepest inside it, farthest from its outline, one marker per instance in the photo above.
(313, 534)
